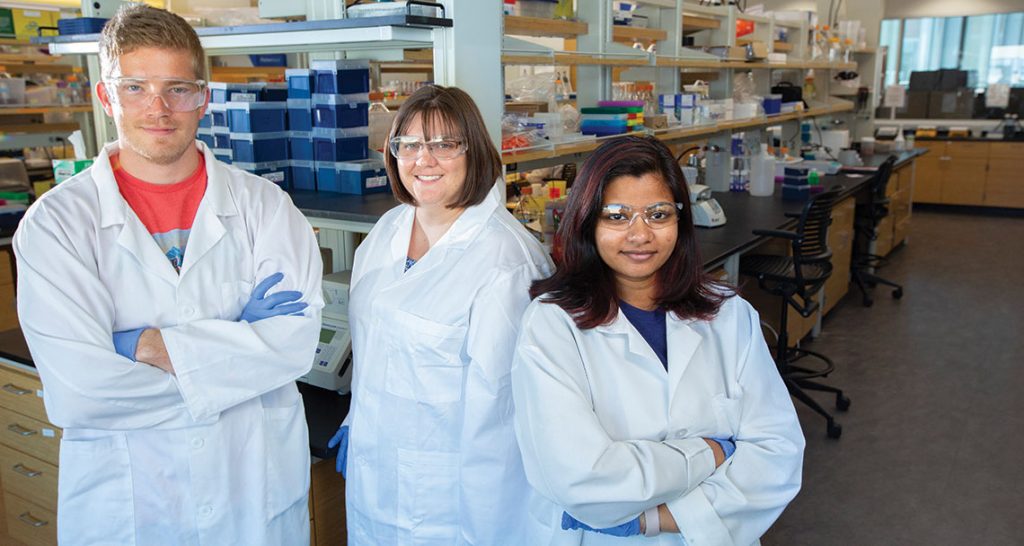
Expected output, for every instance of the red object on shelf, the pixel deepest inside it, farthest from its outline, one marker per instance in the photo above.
(744, 27)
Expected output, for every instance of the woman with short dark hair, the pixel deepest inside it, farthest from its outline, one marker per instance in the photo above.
(646, 399)
(437, 291)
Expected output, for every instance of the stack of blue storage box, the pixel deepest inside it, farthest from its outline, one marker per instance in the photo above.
(213, 130)
(359, 177)
(301, 83)
(340, 109)
(257, 128)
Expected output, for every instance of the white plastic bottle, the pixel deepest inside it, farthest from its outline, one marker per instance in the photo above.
(899, 143)
(762, 173)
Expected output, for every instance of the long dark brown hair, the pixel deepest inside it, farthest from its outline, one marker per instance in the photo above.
(583, 285)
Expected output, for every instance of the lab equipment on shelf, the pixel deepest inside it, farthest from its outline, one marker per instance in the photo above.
(332, 364)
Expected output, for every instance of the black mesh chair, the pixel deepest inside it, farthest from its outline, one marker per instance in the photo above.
(797, 279)
(866, 219)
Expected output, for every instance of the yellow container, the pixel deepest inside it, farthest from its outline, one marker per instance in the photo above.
(28, 21)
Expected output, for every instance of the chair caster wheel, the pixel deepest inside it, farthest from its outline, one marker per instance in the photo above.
(835, 430)
(868, 302)
(897, 294)
(842, 402)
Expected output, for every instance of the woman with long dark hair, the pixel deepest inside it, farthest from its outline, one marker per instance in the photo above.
(647, 402)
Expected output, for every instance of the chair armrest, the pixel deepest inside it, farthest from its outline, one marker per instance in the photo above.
(792, 214)
(792, 236)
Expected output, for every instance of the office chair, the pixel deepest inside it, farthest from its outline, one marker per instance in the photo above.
(797, 279)
(866, 220)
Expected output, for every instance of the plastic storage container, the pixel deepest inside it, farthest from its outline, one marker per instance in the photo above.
(352, 177)
(277, 172)
(536, 8)
(273, 92)
(300, 115)
(223, 154)
(303, 175)
(80, 25)
(300, 83)
(221, 92)
(340, 144)
(341, 111)
(218, 113)
(773, 104)
(259, 147)
(221, 137)
(388, 9)
(300, 145)
(206, 136)
(342, 77)
(257, 117)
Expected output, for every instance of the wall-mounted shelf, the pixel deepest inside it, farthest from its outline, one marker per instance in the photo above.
(636, 34)
(14, 110)
(537, 26)
(697, 23)
(573, 151)
(45, 68)
(39, 128)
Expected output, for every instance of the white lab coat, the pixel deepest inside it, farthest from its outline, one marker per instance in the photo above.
(219, 453)
(606, 432)
(432, 455)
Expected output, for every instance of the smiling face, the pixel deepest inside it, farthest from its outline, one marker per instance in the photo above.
(636, 254)
(434, 183)
(155, 135)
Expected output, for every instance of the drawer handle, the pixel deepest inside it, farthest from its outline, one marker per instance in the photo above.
(15, 390)
(26, 471)
(20, 430)
(32, 520)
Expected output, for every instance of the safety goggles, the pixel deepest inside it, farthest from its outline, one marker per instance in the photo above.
(136, 94)
(656, 216)
(410, 147)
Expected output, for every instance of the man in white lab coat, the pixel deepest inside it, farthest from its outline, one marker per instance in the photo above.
(142, 293)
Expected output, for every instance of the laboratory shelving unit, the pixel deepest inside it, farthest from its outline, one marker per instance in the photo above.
(601, 55)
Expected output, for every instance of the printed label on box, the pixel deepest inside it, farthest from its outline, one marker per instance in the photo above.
(243, 97)
(376, 181)
(275, 177)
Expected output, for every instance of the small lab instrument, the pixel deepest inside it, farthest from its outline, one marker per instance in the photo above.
(332, 363)
(705, 208)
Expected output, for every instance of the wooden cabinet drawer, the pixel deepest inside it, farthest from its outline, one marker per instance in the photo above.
(327, 491)
(28, 478)
(958, 150)
(5, 267)
(22, 393)
(1005, 149)
(883, 244)
(27, 435)
(928, 180)
(900, 231)
(30, 524)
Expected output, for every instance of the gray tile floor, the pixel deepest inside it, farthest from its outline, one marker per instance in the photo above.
(932, 450)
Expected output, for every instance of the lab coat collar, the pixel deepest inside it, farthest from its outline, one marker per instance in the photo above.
(463, 232)
(114, 209)
(207, 228)
(682, 339)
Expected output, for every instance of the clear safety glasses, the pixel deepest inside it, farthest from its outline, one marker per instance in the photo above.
(656, 216)
(409, 147)
(136, 94)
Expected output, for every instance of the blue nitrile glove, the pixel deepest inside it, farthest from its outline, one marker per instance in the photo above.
(261, 306)
(728, 446)
(340, 439)
(126, 342)
(628, 529)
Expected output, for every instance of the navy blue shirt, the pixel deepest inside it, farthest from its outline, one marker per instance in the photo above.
(651, 325)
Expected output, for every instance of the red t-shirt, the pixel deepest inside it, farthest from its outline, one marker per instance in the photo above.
(167, 210)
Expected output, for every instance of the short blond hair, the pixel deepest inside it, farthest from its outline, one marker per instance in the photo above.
(136, 26)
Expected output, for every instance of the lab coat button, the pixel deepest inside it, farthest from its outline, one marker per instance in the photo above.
(205, 511)
(197, 443)
(188, 310)
(681, 433)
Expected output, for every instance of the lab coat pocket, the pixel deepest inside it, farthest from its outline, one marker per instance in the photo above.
(233, 297)
(727, 415)
(95, 486)
(428, 496)
(424, 361)
(287, 450)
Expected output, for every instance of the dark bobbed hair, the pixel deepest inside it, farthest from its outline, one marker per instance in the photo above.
(583, 285)
(448, 111)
